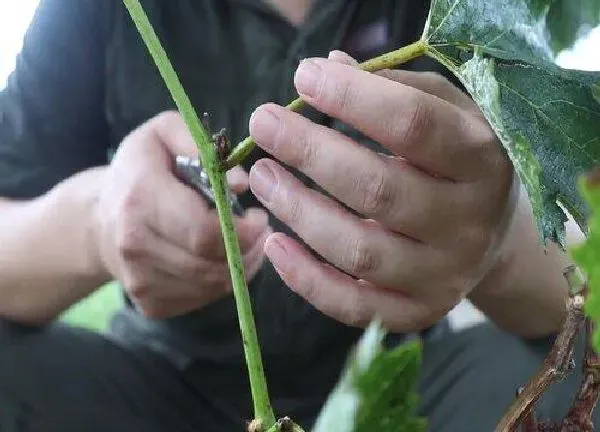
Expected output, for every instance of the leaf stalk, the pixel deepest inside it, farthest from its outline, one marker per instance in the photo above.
(384, 61)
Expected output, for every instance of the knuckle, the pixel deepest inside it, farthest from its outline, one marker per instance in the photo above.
(377, 193)
(417, 121)
(364, 261)
(304, 151)
(198, 243)
(307, 155)
(294, 213)
(132, 199)
(130, 240)
(342, 96)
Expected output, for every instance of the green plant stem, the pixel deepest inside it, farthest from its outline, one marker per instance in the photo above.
(258, 383)
(385, 61)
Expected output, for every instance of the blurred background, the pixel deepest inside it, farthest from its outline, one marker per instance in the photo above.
(15, 16)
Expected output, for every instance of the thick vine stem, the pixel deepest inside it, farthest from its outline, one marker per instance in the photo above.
(556, 366)
(579, 417)
(211, 163)
(385, 61)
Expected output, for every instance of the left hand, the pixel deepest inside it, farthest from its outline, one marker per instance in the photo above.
(436, 212)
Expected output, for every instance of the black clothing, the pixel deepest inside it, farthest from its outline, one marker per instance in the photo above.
(63, 379)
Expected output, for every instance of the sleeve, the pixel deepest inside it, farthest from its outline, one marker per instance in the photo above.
(51, 112)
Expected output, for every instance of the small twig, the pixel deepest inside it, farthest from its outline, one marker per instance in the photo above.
(579, 417)
(556, 366)
(385, 61)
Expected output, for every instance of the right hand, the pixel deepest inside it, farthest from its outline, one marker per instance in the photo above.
(157, 236)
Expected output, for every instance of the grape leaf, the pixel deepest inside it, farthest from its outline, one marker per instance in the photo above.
(549, 122)
(547, 118)
(587, 255)
(376, 390)
(526, 30)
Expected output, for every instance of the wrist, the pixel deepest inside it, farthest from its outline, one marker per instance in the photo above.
(82, 192)
(524, 292)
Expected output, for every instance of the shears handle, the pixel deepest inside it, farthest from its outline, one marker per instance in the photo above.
(190, 172)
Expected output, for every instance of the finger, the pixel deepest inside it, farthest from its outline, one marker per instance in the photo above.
(171, 296)
(400, 196)
(342, 57)
(429, 82)
(255, 257)
(182, 217)
(170, 128)
(159, 293)
(237, 179)
(164, 280)
(140, 244)
(350, 301)
(362, 249)
(431, 133)
(433, 84)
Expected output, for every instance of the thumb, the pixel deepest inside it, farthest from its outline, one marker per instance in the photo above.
(174, 134)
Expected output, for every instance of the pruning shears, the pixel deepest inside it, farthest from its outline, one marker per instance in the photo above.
(190, 171)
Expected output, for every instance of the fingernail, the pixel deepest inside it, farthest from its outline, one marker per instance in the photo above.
(264, 125)
(262, 182)
(308, 78)
(277, 254)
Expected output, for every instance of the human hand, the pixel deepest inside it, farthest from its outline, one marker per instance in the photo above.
(157, 236)
(436, 211)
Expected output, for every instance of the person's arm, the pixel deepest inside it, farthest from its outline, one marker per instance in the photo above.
(526, 291)
(51, 128)
(48, 258)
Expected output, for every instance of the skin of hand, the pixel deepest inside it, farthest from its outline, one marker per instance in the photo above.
(436, 212)
(157, 236)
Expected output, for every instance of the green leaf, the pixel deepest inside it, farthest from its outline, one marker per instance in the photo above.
(547, 118)
(587, 255)
(549, 122)
(526, 30)
(376, 390)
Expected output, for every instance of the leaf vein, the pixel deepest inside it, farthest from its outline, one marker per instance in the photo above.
(443, 21)
(538, 111)
(550, 102)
